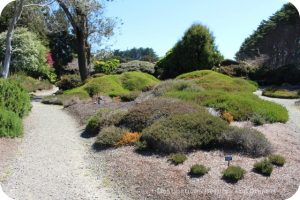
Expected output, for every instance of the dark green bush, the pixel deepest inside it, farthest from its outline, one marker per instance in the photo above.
(130, 97)
(182, 132)
(93, 89)
(177, 158)
(263, 167)
(277, 160)
(195, 51)
(233, 174)
(93, 126)
(247, 140)
(198, 170)
(10, 124)
(135, 65)
(69, 81)
(108, 137)
(14, 98)
(147, 112)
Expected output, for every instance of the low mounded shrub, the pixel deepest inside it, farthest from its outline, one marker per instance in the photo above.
(93, 126)
(277, 160)
(109, 137)
(147, 112)
(257, 119)
(177, 158)
(14, 98)
(10, 124)
(183, 132)
(128, 139)
(198, 170)
(30, 84)
(263, 167)
(69, 82)
(233, 174)
(246, 140)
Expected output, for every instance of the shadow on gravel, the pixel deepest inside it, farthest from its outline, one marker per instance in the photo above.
(87, 134)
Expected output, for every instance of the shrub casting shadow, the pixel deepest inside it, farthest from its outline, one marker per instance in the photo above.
(88, 134)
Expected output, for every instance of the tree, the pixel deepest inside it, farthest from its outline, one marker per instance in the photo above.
(88, 23)
(195, 51)
(142, 54)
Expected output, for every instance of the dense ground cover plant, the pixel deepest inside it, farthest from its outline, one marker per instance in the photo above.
(135, 65)
(198, 170)
(246, 140)
(147, 112)
(233, 174)
(106, 66)
(263, 167)
(183, 132)
(226, 94)
(177, 158)
(277, 92)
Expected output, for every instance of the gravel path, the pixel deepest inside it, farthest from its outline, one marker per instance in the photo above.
(294, 111)
(51, 162)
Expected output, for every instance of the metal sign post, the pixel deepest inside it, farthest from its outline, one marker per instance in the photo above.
(228, 158)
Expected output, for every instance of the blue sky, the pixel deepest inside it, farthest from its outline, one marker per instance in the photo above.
(159, 24)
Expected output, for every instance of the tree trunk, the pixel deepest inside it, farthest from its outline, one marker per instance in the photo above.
(82, 56)
(9, 36)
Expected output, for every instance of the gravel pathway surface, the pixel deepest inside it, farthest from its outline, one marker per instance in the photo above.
(294, 111)
(51, 161)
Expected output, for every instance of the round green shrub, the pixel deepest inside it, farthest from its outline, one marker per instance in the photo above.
(183, 132)
(106, 66)
(10, 124)
(14, 98)
(263, 167)
(69, 81)
(177, 158)
(233, 173)
(147, 112)
(198, 170)
(93, 126)
(277, 160)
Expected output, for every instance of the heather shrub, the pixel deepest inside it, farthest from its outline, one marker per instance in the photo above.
(128, 139)
(177, 158)
(233, 174)
(93, 126)
(30, 84)
(246, 140)
(198, 170)
(183, 132)
(69, 81)
(257, 119)
(147, 112)
(14, 98)
(10, 124)
(135, 65)
(109, 137)
(263, 167)
(277, 160)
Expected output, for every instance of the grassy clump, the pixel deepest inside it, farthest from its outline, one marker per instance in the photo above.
(70, 81)
(114, 85)
(233, 174)
(263, 167)
(177, 158)
(198, 170)
(30, 84)
(182, 132)
(14, 98)
(281, 93)
(227, 94)
(10, 124)
(147, 112)
(246, 140)
(277, 160)
(109, 137)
